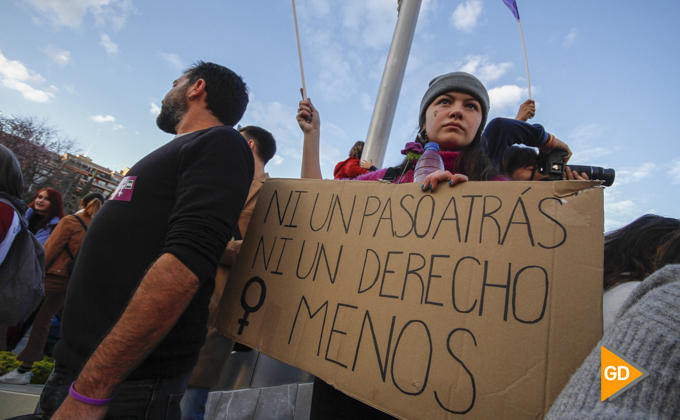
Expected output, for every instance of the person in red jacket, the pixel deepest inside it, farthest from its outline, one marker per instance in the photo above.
(351, 167)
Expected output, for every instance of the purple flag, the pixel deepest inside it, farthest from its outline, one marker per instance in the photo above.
(512, 5)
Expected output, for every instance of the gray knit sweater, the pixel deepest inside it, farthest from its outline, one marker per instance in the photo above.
(647, 331)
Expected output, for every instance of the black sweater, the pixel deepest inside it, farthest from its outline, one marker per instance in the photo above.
(184, 199)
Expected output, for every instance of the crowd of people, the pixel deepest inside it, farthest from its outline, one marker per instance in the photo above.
(137, 309)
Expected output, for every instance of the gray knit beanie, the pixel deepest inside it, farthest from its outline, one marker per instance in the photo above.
(457, 82)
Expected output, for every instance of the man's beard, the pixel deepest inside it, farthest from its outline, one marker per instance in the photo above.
(171, 115)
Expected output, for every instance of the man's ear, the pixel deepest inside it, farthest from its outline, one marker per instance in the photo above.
(253, 145)
(197, 89)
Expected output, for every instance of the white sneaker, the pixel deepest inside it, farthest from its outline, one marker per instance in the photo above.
(14, 377)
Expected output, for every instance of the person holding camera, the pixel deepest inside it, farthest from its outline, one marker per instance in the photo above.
(501, 134)
(523, 164)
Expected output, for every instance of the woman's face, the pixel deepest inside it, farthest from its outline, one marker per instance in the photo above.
(42, 203)
(452, 120)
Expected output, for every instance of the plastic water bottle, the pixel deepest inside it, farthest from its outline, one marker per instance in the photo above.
(428, 163)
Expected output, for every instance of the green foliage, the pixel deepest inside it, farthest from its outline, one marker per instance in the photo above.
(41, 370)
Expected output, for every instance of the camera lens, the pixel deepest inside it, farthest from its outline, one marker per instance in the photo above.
(596, 172)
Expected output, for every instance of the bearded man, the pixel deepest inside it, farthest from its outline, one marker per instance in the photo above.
(137, 305)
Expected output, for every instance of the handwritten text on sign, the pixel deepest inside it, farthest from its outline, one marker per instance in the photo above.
(422, 303)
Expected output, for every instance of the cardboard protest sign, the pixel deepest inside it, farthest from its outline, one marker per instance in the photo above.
(477, 301)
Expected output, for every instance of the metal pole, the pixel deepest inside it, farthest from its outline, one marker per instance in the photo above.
(390, 86)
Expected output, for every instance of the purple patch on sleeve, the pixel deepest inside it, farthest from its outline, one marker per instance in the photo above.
(124, 190)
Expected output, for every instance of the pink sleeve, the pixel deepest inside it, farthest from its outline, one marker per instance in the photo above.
(372, 176)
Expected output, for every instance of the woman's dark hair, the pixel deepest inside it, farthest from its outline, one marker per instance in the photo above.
(669, 253)
(357, 149)
(516, 157)
(56, 206)
(630, 252)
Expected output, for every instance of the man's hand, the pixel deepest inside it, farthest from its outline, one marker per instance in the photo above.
(526, 111)
(72, 409)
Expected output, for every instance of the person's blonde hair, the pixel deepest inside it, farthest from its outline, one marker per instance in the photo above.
(92, 207)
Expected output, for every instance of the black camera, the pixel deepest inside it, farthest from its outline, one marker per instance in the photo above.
(552, 165)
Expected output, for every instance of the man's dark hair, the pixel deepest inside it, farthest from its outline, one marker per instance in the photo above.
(516, 157)
(227, 93)
(266, 145)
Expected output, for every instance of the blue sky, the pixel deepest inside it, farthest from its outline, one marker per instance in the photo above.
(604, 74)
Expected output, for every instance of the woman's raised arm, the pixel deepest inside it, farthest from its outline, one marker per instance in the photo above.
(310, 124)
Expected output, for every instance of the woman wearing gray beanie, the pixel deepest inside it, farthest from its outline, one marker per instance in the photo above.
(453, 114)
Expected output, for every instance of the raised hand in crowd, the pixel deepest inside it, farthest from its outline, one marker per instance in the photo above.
(526, 111)
(310, 124)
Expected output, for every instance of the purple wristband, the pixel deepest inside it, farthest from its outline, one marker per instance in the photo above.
(72, 392)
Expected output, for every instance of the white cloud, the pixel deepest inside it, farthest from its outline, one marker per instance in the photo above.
(343, 39)
(110, 47)
(276, 160)
(117, 127)
(71, 89)
(674, 172)
(571, 37)
(374, 19)
(16, 70)
(644, 171)
(103, 118)
(586, 135)
(619, 208)
(483, 69)
(155, 109)
(625, 207)
(59, 56)
(585, 141)
(72, 12)
(506, 99)
(16, 76)
(173, 59)
(626, 176)
(465, 16)
(587, 156)
(28, 92)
